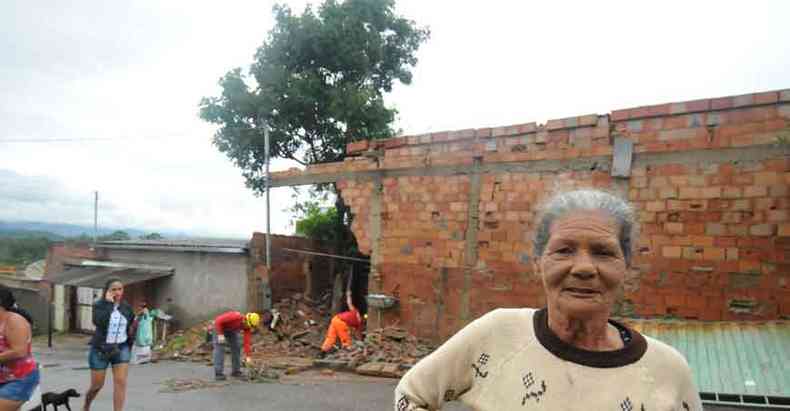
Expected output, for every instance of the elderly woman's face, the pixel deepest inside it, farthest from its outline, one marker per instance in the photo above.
(583, 265)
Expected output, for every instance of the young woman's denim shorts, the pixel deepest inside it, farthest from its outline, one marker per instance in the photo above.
(97, 361)
(21, 389)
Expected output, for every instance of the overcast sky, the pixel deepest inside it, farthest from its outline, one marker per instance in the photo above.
(134, 72)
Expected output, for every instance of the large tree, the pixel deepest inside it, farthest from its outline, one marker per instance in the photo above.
(319, 80)
(318, 83)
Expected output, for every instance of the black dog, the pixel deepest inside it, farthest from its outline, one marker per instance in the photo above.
(55, 399)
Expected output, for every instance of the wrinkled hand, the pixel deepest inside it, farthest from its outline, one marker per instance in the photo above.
(109, 296)
(220, 339)
(247, 360)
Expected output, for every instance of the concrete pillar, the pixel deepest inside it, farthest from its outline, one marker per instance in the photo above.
(375, 283)
(473, 225)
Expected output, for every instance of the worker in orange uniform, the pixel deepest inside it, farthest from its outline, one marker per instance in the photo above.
(339, 326)
(226, 330)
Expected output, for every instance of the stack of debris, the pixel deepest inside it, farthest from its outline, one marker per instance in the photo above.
(295, 340)
(388, 345)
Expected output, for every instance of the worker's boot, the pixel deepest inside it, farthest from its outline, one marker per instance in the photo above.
(220, 377)
(237, 374)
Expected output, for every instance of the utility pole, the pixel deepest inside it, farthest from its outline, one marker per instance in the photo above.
(268, 203)
(95, 218)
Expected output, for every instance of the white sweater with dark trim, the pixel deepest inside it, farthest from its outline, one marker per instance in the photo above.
(510, 360)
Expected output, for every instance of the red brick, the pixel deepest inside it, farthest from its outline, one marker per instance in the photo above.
(679, 180)
(721, 103)
(784, 230)
(775, 216)
(714, 229)
(695, 228)
(717, 204)
(748, 266)
(764, 203)
(779, 190)
(686, 193)
(620, 115)
(675, 205)
(725, 241)
(711, 192)
(677, 134)
(655, 206)
(659, 110)
(743, 204)
(714, 254)
(357, 146)
(671, 252)
(668, 192)
(762, 229)
(755, 191)
(647, 194)
(674, 228)
(639, 182)
(659, 182)
(483, 132)
(731, 192)
(702, 241)
(769, 97)
(676, 300)
(767, 178)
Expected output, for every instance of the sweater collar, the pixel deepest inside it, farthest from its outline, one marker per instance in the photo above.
(629, 354)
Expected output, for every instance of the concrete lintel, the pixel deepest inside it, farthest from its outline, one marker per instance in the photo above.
(526, 166)
(756, 153)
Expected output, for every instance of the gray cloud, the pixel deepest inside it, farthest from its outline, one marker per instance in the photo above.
(135, 71)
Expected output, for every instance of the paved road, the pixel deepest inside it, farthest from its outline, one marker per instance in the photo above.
(66, 367)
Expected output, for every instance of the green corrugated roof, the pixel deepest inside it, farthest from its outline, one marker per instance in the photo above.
(735, 362)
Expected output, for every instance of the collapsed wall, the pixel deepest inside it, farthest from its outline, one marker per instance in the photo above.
(448, 217)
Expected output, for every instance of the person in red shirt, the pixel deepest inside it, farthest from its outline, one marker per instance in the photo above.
(339, 326)
(226, 331)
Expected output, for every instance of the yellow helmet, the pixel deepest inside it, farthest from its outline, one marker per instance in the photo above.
(252, 320)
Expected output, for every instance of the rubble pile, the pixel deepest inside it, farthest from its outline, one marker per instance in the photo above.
(298, 332)
(295, 339)
(385, 345)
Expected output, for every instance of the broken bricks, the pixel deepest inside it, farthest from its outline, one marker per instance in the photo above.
(380, 369)
(296, 340)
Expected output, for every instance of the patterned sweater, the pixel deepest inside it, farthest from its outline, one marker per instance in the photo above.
(509, 359)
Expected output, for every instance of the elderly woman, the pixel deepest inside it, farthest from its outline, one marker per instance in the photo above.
(569, 355)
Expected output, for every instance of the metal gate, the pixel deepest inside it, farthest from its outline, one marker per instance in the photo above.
(85, 298)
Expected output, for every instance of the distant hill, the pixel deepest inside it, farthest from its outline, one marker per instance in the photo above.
(56, 231)
(30, 234)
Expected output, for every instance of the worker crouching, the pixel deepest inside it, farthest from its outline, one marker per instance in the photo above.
(341, 325)
(227, 327)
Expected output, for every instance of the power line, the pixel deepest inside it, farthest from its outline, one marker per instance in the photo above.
(85, 139)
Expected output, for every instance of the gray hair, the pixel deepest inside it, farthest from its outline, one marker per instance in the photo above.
(587, 200)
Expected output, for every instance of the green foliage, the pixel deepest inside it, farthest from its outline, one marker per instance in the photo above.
(318, 223)
(118, 235)
(783, 139)
(320, 79)
(21, 251)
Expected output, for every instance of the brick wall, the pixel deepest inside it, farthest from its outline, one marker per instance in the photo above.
(61, 253)
(451, 234)
(289, 274)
